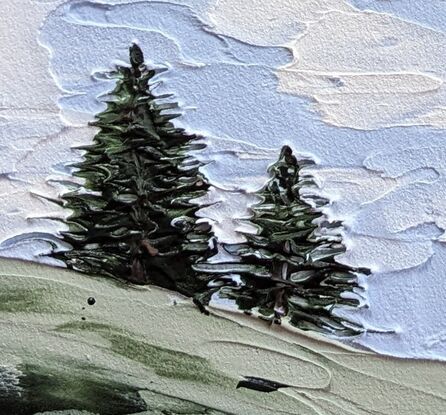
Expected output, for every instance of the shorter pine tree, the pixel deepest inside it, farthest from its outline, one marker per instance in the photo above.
(134, 218)
(288, 268)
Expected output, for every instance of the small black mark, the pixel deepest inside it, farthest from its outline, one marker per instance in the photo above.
(338, 82)
(260, 384)
(91, 300)
(82, 318)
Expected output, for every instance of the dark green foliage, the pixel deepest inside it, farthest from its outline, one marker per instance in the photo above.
(133, 218)
(288, 267)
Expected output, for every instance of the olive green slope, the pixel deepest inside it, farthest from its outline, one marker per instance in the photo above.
(147, 350)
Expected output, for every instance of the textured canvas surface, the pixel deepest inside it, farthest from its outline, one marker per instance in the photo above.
(249, 199)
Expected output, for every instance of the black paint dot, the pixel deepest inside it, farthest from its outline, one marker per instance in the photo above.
(83, 318)
(91, 300)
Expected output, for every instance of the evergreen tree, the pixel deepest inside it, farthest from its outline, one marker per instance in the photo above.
(288, 268)
(134, 217)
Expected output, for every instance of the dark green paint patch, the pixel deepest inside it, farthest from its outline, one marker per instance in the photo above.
(164, 362)
(68, 387)
(90, 326)
(16, 300)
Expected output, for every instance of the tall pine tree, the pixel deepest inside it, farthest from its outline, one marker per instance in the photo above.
(134, 217)
(288, 268)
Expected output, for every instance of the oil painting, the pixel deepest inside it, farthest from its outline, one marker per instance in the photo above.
(223, 207)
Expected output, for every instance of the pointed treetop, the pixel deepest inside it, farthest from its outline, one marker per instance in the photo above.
(136, 56)
(286, 151)
(286, 156)
(284, 176)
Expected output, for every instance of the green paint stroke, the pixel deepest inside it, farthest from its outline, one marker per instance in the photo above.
(164, 362)
(26, 294)
(69, 387)
(16, 300)
(20, 300)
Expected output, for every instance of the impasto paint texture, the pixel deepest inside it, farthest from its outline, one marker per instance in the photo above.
(277, 168)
